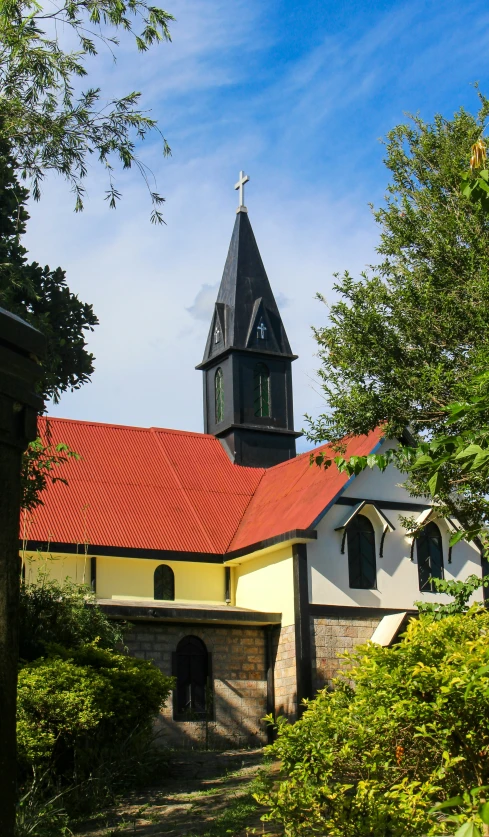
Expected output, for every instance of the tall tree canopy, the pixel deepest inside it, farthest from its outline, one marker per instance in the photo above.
(405, 337)
(40, 295)
(408, 342)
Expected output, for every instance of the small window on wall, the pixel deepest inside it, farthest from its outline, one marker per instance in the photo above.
(362, 568)
(429, 550)
(192, 670)
(261, 390)
(164, 583)
(219, 394)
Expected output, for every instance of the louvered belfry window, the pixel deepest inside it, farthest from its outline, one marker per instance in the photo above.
(164, 583)
(429, 550)
(219, 394)
(261, 390)
(362, 567)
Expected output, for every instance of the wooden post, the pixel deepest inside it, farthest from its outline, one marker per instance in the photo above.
(21, 346)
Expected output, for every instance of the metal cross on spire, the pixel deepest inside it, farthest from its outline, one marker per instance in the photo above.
(243, 178)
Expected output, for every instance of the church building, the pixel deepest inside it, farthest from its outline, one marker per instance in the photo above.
(241, 568)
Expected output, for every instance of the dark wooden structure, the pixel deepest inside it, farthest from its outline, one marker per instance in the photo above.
(21, 347)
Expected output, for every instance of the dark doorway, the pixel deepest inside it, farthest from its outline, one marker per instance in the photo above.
(192, 671)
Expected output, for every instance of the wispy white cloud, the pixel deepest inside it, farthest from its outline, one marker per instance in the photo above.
(227, 100)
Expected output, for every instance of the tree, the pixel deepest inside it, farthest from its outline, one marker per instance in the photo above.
(407, 342)
(49, 126)
(41, 296)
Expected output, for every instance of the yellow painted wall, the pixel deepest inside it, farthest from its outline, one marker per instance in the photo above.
(132, 578)
(59, 567)
(266, 583)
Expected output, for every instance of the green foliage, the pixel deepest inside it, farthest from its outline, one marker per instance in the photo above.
(406, 335)
(40, 295)
(38, 469)
(460, 592)
(85, 711)
(63, 615)
(408, 727)
(74, 706)
(408, 344)
(49, 126)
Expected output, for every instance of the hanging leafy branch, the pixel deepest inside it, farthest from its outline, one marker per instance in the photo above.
(50, 127)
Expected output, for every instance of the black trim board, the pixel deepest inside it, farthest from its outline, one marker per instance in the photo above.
(384, 504)
(165, 554)
(303, 657)
(347, 611)
(125, 552)
(294, 534)
(152, 613)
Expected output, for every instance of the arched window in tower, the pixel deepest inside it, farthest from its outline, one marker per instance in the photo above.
(219, 394)
(164, 583)
(192, 670)
(362, 567)
(261, 390)
(429, 550)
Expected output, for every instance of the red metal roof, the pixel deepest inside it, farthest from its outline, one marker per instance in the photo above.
(294, 494)
(151, 488)
(142, 488)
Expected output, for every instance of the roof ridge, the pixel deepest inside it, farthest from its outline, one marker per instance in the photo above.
(184, 491)
(88, 423)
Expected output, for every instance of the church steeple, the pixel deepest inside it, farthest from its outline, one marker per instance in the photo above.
(247, 359)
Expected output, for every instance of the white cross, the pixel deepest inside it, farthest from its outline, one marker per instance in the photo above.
(243, 178)
(217, 334)
(262, 330)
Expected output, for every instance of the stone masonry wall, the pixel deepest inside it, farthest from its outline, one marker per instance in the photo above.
(285, 672)
(239, 677)
(331, 636)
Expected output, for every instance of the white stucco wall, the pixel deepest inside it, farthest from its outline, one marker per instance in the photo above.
(397, 575)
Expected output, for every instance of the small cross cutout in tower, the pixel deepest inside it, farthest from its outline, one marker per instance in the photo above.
(243, 178)
(261, 330)
(217, 334)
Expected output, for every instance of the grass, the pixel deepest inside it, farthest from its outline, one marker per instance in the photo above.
(232, 820)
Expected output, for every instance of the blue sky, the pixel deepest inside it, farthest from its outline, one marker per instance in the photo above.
(296, 95)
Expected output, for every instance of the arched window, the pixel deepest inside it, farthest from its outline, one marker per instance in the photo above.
(362, 567)
(164, 583)
(429, 550)
(219, 394)
(191, 668)
(261, 390)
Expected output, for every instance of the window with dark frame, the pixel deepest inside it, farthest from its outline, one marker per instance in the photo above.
(192, 670)
(261, 391)
(164, 583)
(429, 550)
(362, 565)
(219, 395)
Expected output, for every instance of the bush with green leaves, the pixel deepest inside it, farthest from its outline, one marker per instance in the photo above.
(404, 728)
(85, 710)
(62, 614)
(77, 705)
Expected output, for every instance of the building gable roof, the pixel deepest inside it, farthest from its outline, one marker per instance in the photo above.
(157, 490)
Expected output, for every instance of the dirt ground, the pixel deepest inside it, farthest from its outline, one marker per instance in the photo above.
(207, 794)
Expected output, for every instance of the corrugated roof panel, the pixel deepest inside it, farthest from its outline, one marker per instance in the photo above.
(150, 488)
(292, 495)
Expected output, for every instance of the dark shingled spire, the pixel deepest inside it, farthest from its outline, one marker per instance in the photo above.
(247, 361)
(245, 297)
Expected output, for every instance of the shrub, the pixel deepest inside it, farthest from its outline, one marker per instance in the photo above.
(65, 614)
(407, 729)
(85, 711)
(76, 705)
